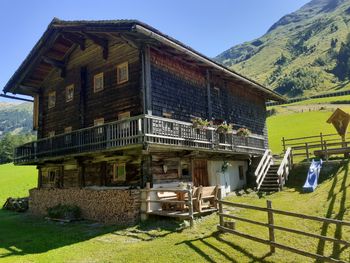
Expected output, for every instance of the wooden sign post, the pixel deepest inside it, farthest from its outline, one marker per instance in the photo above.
(340, 121)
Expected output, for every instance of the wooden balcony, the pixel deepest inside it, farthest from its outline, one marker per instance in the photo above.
(138, 130)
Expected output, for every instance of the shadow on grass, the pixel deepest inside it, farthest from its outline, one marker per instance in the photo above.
(155, 227)
(332, 198)
(21, 234)
(197, 244)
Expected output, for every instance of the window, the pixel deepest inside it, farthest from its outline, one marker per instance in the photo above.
(51, 134)
(99, 122)
(52, 176)
(123, 116)
(122, 73)
(241, 172)
(69, 93)
(52, 99)
(68, 129)
(119, 172)
(168, 125)
(185, 169)
(98, 82)
(216, 92)
(68, 137)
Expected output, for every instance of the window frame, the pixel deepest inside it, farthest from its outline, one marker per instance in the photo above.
(68, 137)
(68, 88)
(96, 76)
(51, 103)
(51, 134)
(116, 176)
(119, 67)
(123, 116)
(99, 122)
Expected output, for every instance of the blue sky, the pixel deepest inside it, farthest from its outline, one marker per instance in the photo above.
(210, 27)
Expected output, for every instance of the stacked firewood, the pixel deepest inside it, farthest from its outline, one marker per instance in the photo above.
(16, 204)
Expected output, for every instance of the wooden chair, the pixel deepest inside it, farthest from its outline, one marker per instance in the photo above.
(209, 196)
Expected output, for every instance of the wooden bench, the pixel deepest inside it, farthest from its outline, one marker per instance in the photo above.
(170, 196)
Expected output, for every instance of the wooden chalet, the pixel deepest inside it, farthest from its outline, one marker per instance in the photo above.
(113, 103)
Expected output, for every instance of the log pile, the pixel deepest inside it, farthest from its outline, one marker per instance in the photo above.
(16, 204)
(103, 204)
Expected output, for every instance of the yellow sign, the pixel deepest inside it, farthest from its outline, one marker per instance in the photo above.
(340, 121)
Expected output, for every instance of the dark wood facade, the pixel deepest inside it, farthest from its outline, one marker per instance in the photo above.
(167, 84)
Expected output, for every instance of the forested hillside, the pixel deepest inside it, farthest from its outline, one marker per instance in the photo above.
(16, 127)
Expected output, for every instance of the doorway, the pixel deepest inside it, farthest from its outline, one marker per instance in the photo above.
(200, 173)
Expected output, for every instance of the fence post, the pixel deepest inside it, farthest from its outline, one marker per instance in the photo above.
(284, 144)
(190, 204)
(321, 138)
(326, 150)
(307, 151)
(221, 211)
(270, 222)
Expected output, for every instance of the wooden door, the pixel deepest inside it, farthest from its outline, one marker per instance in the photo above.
(200, 173)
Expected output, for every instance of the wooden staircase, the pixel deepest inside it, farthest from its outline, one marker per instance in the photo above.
(271, 182)
(270, 176)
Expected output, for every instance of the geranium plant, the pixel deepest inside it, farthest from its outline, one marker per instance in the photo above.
(244, 132)
(224, 128)
(199, 123)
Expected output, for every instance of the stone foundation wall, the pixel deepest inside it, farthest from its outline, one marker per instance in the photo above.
(109, 206)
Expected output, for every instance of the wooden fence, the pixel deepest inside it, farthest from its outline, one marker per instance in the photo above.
(230, 227)
(305, 146)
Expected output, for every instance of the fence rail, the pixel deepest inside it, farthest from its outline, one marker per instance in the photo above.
(305, 146)
(271, 226)
(137, 131)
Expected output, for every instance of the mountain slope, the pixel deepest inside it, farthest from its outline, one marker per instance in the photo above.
(16, 118)
(301, 54)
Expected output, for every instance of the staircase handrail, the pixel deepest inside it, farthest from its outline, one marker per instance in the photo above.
(263, 167)
(285, 167)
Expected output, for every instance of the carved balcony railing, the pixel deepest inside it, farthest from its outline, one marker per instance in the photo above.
(136, 130)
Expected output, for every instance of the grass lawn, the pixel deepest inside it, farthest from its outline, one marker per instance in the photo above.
(26, 239)
(297, 125)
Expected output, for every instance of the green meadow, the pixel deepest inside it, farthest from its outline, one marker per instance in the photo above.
(24, 238)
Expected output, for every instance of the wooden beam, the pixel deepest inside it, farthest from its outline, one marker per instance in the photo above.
(57, 64)
(78, 39)
(14, 98)
(103, 43)
(147, 85)
(210, 113)
(129, 41)
(37, 58)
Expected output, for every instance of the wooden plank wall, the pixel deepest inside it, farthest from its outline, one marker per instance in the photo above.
(105, 104)
(181, 90)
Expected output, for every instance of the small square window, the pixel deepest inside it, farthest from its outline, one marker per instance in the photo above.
(99, 122)
(52, 176)
(51, 134)
(123, 73)
(123, 116)
(68, 129)
(216, 92)
(69, 93)
(68, 137)
(98, 82)
(119, 172)
(52, 99)
(241, 172)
